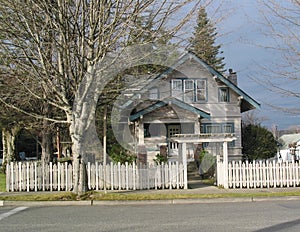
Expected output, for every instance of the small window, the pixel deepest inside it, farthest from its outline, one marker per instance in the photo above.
(153, 94)
(223, 95)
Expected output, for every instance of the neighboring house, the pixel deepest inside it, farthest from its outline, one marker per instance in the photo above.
(188, 98)
(289, 149)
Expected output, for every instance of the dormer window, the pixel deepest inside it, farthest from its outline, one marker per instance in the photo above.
(189, 90)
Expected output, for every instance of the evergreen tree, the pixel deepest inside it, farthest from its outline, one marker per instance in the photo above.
(258, 142)
(203, 42)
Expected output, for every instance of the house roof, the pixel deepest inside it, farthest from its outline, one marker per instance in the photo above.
(287, 139)
(247, 102)
(169, 101)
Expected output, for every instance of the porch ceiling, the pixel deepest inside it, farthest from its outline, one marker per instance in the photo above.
(169, 101)
(203, 138)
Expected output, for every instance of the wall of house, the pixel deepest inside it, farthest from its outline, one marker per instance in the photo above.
(220, 112)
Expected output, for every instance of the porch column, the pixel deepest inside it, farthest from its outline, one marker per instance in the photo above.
(197, 126)
(141, 131)
(225, 164)
(182, 155)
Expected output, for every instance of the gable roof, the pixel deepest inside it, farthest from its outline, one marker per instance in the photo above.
(174, 101)
(287, 139)
(247, 102)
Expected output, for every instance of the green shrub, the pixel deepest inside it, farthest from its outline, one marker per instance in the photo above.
(160, 159)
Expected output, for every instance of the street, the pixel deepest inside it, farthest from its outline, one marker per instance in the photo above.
(255, 216)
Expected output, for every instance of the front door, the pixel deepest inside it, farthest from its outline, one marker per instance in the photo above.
(173, 129)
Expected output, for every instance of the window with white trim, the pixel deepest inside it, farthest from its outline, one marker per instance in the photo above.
(177, 88)
(189, 90)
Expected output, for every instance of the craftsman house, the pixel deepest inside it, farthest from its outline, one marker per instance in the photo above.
(190, 98)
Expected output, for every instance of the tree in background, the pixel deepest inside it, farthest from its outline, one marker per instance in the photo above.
(257, 142)
(280, 25)
(203, 42)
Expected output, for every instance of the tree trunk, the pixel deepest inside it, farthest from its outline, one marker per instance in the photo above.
(46, 145)
(9, 146)
(77, 153)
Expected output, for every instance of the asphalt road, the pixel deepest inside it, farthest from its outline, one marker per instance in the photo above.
(252, 216)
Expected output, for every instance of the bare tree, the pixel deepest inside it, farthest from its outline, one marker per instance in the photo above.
(252, 118)
(280, 20)
(51, 48)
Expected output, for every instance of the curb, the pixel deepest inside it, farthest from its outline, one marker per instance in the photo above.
(146, 202)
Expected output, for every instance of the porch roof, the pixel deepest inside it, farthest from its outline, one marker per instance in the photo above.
(169, 101)
(203, 138)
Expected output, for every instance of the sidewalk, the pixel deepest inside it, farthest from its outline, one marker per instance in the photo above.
(196, 187)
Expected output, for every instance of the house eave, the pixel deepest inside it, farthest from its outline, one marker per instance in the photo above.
(169, 101)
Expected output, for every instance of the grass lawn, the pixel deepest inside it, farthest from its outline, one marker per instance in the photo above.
(101, 196)
(2, 182)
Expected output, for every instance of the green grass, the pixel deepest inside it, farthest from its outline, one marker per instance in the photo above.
(149, 196)
(101, 196)
(2, 182)
(63, 196)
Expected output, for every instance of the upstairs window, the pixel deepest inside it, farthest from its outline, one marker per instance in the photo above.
(223, 94)
(189, 90)
(153, 94)
(177, 88)
(201, 90)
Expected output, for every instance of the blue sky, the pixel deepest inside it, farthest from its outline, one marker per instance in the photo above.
(242, 39)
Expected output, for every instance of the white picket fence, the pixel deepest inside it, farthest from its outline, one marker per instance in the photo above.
(36, 176)
(258, 174)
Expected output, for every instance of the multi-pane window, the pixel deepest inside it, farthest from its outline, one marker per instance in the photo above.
(177, 88)
(189, 90)
(223, 94)
(201, 90)
(215, 128)
(153, 94)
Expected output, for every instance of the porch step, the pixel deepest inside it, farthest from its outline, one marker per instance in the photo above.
(192, 167)
(194, 176)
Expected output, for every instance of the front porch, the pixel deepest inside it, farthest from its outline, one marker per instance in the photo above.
(184, 139)
(156, 138)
